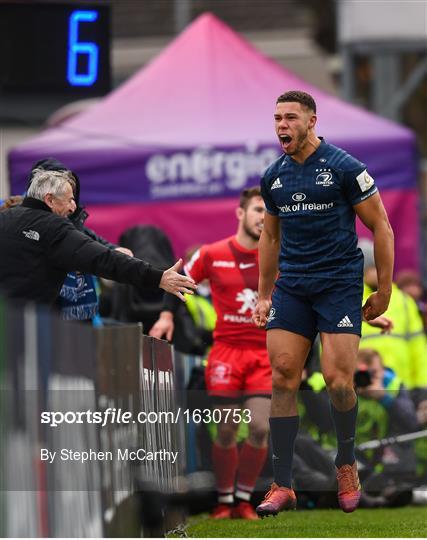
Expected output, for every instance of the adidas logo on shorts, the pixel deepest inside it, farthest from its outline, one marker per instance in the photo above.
(345, 323)
(276, 184)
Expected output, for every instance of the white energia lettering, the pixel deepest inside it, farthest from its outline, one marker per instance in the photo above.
(203, 165)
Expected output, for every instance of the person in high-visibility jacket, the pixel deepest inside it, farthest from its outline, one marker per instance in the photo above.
(203, 314)
(385, 409)
(404, 348)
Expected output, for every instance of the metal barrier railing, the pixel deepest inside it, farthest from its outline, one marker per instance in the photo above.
(72, 375)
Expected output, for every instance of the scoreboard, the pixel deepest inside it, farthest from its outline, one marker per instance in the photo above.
(55, 48)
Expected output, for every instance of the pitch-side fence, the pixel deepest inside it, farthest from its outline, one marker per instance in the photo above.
(50, 366)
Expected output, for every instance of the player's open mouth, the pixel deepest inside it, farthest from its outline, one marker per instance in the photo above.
(285, 139)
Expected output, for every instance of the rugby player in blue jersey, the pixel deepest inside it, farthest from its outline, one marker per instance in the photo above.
(312, 194)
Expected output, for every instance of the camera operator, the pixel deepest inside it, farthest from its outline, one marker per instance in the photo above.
(404, 348)
(381, 385)
(385, 409)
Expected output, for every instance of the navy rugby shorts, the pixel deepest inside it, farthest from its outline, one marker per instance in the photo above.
(307, 306)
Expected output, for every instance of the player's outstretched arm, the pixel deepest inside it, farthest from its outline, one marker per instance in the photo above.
(373, 215)
(175, 283)
(269, 246)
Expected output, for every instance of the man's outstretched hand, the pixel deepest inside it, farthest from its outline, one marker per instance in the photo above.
(175, 283)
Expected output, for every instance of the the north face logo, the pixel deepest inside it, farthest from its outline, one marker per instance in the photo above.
(32, 235)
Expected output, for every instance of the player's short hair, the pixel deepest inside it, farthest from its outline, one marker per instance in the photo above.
(247, 194)
(299, 97)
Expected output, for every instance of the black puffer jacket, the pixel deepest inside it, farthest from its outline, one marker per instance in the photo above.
(38, 248)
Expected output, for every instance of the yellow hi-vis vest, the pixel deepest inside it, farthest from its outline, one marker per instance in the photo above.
(404, 350)
(372, 417)
(201, 311)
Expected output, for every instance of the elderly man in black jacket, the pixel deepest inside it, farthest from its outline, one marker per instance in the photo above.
(78, 299)
(39, 247)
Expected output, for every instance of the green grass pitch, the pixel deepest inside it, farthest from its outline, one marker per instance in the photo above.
(409, 522)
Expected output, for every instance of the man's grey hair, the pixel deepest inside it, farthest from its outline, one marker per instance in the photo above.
(54, 182)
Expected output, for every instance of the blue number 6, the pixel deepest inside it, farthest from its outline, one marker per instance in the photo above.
(76, 47)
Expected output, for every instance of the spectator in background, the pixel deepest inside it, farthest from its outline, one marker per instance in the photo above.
(376, 383)
(410, 282)
(385, 409)
(200, 307)
(39, 247)
(404, 348)
(78, 298)
(130, 304)
(238, 374)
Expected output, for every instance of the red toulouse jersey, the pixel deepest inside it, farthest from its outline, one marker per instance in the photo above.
(232, 271)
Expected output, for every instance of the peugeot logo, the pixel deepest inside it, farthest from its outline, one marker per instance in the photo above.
(299, 197)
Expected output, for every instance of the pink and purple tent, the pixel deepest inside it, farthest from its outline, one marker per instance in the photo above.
(176, 143)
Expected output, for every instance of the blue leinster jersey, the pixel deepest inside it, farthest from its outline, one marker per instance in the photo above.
(314, 201)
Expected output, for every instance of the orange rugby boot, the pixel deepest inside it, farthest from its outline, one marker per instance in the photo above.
(349, 489)
(277, 500)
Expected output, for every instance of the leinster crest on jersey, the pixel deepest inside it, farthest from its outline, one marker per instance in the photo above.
(271, 315)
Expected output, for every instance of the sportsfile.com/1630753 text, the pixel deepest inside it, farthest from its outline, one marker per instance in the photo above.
(118, 416)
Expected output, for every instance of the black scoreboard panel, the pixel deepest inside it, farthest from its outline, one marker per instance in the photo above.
(51, 48)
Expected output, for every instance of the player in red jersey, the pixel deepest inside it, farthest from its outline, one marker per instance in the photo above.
(238, 373)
